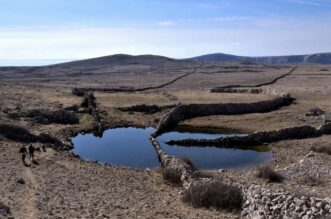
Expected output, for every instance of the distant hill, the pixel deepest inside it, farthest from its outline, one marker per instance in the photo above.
(120, 59)
(319, 58)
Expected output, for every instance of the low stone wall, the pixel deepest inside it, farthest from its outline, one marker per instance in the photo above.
(259, 203)
(144, 108)
(174, 163)
(263, 203)
(184, 112)
(254, 139)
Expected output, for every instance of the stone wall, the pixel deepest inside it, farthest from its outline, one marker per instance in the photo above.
(257, 138)
(263, 203)
(184, 112)
(259, 203)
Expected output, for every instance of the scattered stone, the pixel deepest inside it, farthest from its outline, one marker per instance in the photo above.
(20, 181)
(4, 209)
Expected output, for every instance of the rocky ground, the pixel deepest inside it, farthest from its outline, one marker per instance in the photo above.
(63, 186)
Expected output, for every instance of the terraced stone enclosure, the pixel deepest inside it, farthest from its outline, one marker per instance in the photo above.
(272, 103)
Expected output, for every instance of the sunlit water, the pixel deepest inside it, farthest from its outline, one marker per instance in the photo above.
(130, 147)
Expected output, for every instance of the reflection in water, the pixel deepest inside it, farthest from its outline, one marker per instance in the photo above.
(130, 147)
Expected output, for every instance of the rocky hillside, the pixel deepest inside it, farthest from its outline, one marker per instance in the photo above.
(319, 58)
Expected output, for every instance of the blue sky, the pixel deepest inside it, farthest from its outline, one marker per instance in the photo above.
(40, 30)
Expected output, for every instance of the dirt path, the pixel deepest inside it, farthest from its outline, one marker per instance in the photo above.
(31, 198)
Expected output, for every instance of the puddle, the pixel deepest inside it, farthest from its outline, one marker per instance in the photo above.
(130, 147)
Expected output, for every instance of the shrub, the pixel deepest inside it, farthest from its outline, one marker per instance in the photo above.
(78, 92)
(16, 133)
(214, 194)
(190, 163)
(72, 108)
(315, 111)
(46, 138)
(47, 117)
(269, 174)
(326, 149)
(172, 176)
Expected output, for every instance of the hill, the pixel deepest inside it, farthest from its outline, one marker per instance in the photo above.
(319, 58)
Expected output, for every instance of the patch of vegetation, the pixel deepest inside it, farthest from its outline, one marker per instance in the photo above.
(48, 117)
(172, 176)
(267, 173)
(16, 133)
(215, 194)
(78, 92)
(72, 108)
(189, 162)
(315, 111)
(326, 149)
(46, 138)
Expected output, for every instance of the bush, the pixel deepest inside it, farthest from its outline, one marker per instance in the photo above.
(78, 92)
(269, 174)
(47, 117)
(189, 162)
(214, 194)
(326, 149)
(315, 111)
(16, 133)
(172, 176)
(46, 138)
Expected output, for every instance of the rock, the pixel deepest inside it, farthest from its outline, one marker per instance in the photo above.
(4, 209)
(20, 181)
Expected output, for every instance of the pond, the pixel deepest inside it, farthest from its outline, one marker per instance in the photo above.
(131, 147)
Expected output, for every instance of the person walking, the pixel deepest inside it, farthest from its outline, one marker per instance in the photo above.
(23, 152)
(31, 152)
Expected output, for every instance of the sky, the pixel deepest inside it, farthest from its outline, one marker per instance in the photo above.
(49, 31)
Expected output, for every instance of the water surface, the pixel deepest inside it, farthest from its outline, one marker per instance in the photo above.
(130, 147)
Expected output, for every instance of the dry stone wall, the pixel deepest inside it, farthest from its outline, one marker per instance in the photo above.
(184, 112)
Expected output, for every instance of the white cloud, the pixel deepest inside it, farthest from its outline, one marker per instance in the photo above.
(166, 23)
(80, 43)
(309, 2)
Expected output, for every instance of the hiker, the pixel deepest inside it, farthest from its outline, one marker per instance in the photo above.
(23, 151)
(31, 152)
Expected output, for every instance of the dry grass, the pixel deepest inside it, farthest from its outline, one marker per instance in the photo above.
(172, 176)
(269, 174)
(214, 194)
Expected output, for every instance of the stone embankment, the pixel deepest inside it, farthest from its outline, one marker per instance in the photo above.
(258, 138)
(259, 203)
(144, 108)
(184, 112)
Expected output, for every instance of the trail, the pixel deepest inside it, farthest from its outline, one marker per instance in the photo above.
(31, 198)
